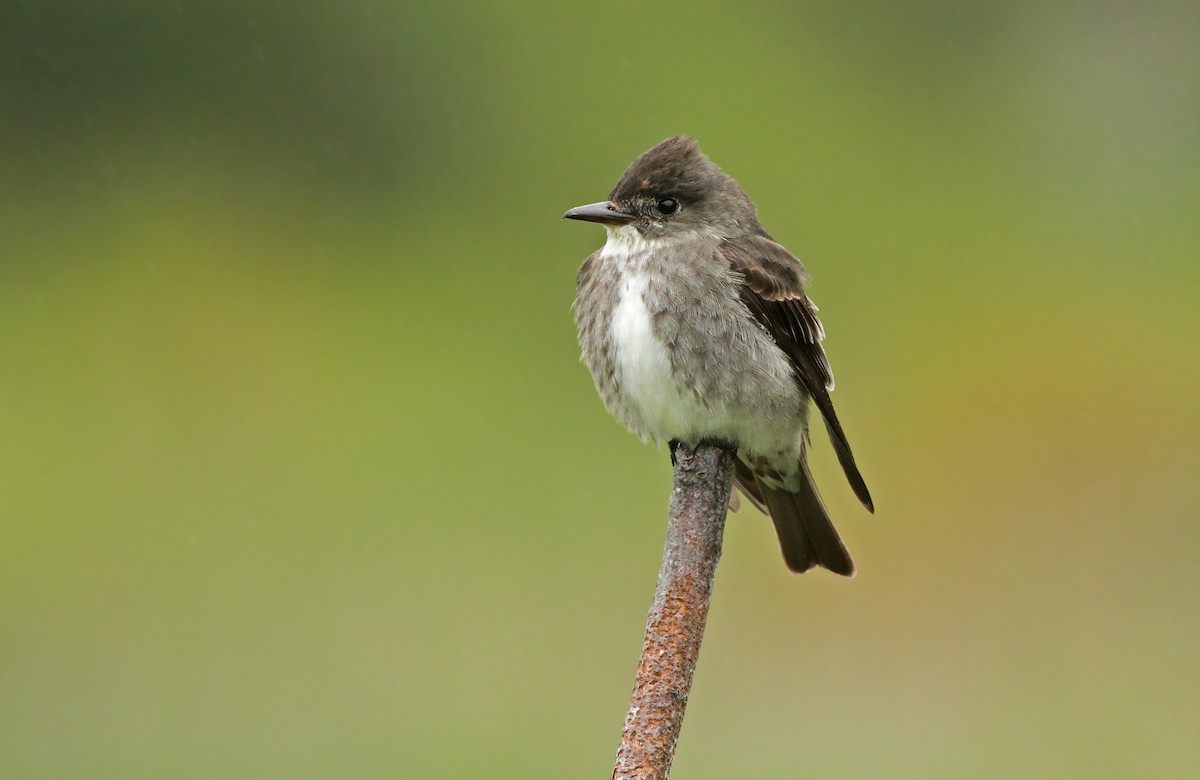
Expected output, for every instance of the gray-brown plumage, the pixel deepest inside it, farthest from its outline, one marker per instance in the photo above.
(695, 326)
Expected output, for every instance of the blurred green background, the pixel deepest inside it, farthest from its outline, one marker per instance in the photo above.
(301, 476)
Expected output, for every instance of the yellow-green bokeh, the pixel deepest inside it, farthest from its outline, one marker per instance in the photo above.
(301, 476)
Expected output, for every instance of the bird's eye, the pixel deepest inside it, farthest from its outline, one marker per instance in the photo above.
(668, 205)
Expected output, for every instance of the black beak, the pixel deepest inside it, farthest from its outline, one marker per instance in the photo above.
(605, 213)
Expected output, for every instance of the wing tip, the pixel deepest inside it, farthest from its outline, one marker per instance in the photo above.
(860, 490)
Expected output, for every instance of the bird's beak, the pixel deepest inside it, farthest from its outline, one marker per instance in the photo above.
(605, 213)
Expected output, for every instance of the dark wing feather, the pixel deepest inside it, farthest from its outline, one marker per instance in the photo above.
(773, 290)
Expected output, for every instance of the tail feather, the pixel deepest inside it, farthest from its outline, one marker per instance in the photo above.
(806, 534)
(798, 551)
(831, 552)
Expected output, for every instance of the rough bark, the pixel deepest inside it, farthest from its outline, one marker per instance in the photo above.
(675, 625)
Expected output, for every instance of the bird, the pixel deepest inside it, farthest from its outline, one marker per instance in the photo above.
(695, 326)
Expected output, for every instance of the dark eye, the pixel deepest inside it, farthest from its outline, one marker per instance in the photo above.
(668, 205)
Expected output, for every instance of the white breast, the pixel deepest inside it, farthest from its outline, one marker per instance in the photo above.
(662, 409)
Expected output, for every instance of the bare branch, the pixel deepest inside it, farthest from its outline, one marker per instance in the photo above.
(675, 625)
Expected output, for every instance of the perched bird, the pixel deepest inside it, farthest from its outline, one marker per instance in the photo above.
(695, 326)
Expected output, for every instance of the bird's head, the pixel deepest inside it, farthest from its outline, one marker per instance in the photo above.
(672, 191)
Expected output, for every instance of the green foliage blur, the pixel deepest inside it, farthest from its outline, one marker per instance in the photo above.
(301, 477)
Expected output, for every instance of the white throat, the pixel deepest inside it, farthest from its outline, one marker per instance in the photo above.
(626, 240)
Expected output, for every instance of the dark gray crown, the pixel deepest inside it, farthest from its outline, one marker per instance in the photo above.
(675, 167)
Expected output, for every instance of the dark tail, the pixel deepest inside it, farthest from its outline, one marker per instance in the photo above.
(806, 534)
